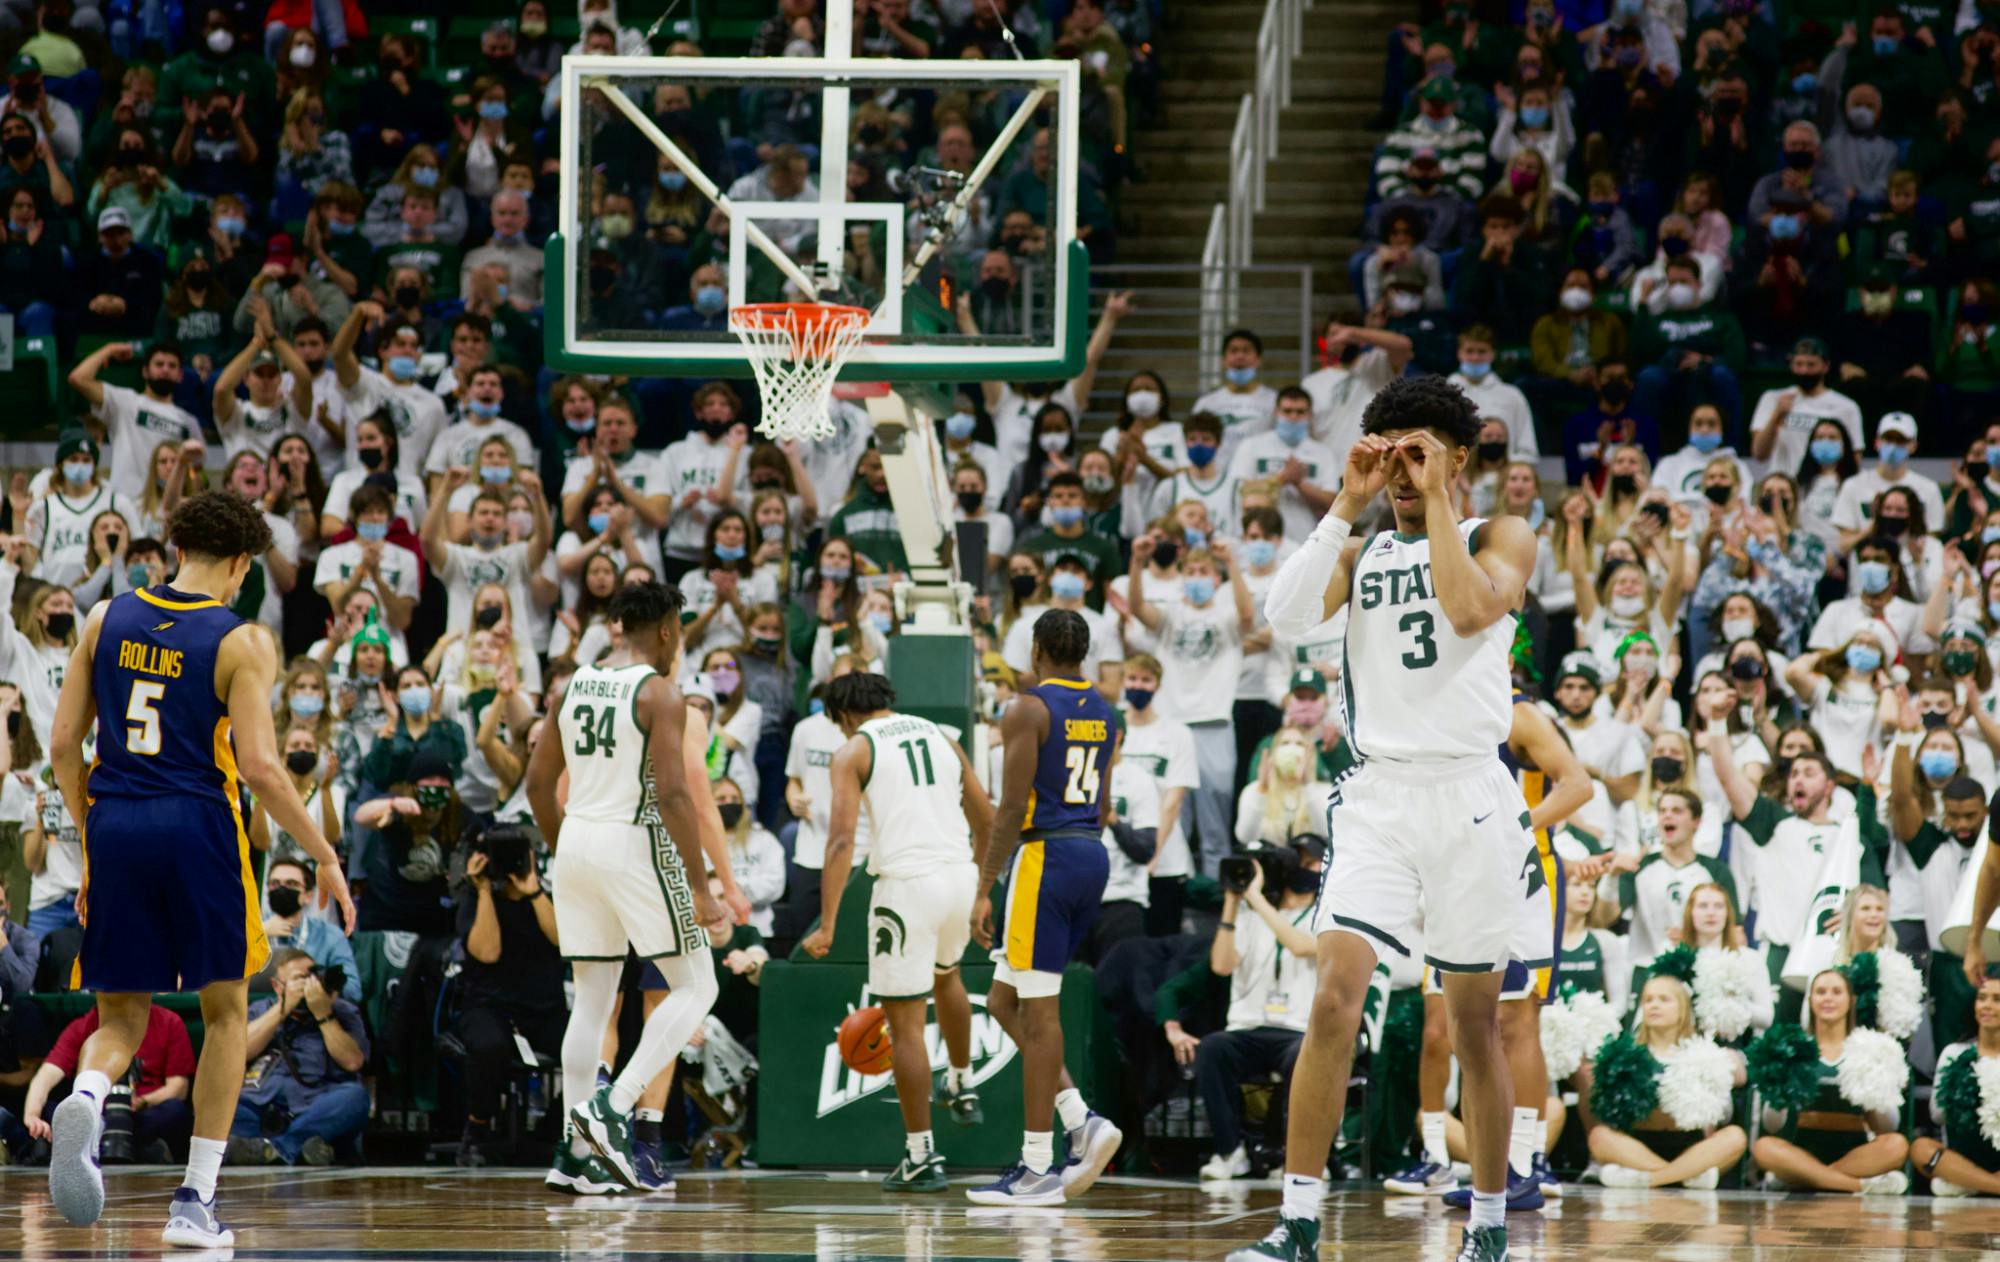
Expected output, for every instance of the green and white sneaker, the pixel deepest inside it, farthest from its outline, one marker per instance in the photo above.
(609, 1134)
(1484, 1244)
(916, 1176)
(581, 1176)
(1292, 1240)
(962, 1105)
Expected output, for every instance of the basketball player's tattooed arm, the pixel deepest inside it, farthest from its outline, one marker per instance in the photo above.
(246, 670)
(1022, 730)
(1474, 590)
(76, 711)
(852, 765)
(1311, 586)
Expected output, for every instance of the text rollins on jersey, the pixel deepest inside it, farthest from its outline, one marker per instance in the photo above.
(149, 659)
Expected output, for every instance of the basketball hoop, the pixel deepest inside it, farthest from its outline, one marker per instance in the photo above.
(796, 350)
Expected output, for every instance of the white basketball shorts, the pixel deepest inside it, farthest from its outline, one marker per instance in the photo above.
(620, 885)
(918, 927)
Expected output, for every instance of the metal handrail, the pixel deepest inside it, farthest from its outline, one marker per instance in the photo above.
(1253, 143)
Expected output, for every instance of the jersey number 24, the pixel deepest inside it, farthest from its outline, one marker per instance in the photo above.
(1083, 779)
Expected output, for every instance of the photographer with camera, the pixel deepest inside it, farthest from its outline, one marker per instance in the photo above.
(1268, 953)
(512, 984)
(288, 890)
(302, 1093)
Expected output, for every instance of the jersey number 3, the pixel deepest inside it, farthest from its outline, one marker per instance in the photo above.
(1082, 763)
(1425, 627)
(596, 731)
(142, 731)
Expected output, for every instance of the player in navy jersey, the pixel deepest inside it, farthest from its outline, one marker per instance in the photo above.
(183, 691)
(1060, 739)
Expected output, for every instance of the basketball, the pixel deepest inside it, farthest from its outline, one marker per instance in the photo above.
(864, 1040)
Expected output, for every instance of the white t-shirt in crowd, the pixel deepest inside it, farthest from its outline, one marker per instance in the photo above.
(135, 424)
(1341, 394)
(1201, 651)
(695, 464)
(1262, 457)
(1680, 474)
(1164, 749)
(1243, 413)
(258, 429)
(467, 568)
(815, 740)
(725, 629)
(460, 442)
(398, 570)
(1496, 399)
(1014, 424)
(1855, 505)
(412, 501)
(1020, 638)
(1828, 405)
(1135, 798)
(1841, 619)
(418, 415)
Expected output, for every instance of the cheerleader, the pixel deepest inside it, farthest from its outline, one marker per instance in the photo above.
(1818, 1135)
(1662, 1097)
(1888, 988)
(1967, 1163)
(1733, 998)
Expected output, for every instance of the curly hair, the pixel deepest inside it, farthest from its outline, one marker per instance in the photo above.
(638, 606)
(1427, 402)
(1063, 637)
(219, 525)
(858, 692)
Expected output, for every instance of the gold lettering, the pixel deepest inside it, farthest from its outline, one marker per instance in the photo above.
(149, 659)
(1084, 729)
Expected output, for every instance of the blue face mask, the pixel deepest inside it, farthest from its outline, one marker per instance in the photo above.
(415, 701)
(1704, 443)
(1067, 515)
(1993, 610)
(598, 522)
(401, 367)
(816, 706)
(1239, 377)
(1291, 433)
(1194, 538)
(1937, 764)
(79, 471)
(231, 225)
(307, 704)
(1535, 116)
(1784, 227)
(499, 289)
(340, 229)
(1806, 83)
(137, 576)
(835, 573)
(1258, 553)
(673, 181)
(1892, 453)
(881, 622)
(1199, 591)
(1472, 371)
(1825, 451)
(710, 300)
(586, 426)
(371, 531)
(959, 426)
(1989, 534)
(1066, 585)
(1885, 46)
(1862, 658)
(1200, 454)
(493, 111)
(723, 552)
(494, 475)
(479, 407)
(1873, 576)
(1139, 698)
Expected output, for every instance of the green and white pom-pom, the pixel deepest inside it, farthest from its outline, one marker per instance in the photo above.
(1677, 961)
(1874, 1072)
(1784, 1067)
(1968, 1094)
(1730, 987)
(1899, 1005)
(1694, 1087)
(1987, 1074)
(1572, 1028)
(1864, 978)
(1624, 1083)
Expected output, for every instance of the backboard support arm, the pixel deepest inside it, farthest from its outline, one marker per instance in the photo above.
(936, 238)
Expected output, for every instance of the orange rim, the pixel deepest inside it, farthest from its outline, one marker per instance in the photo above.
(813, 325)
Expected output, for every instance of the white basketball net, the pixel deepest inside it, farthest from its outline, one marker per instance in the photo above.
(797, 351)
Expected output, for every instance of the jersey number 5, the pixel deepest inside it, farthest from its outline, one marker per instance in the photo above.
(142, 732)
(1082, 763)
(1426, 651)
(596, 731)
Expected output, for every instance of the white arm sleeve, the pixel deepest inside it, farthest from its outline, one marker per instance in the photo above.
(1296, 602)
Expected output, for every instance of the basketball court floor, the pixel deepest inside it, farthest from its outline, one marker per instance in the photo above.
(460, 1216)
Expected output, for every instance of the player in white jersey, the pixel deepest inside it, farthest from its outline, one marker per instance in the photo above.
(1430, 828)
(926, 806)
(629, 872)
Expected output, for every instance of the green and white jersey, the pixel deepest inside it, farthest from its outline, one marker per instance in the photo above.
(1412, 689)
(1656, 896)
(916, 797)
(610, 780)
(59, 526)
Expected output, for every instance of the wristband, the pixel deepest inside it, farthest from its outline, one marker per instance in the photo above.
(1226, 924)
(328, 1017)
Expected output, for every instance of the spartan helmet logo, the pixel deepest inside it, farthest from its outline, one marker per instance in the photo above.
(889, 931)
(1532, 870)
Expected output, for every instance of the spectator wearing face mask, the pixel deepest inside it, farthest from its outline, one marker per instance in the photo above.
(1288, 796)
(1820, 197)
(1884, 348)
(490, 558)
(691, 476)
(1846, 689)
(1067, 534)
(1693, 351)
(1909, 74)
(1568, 343)
(1402, 242)
(1680, 474)
(1504, 282)
(1479, 379)
(1164, 750)
(1242, 402)
(1859, 156)
(1443, 210)
(1359, 361)
(1650, 283)
(1895, 443)
(1753, 561)
(1459, 146)
(417, 826)
(1303, 468)
(305, 1050)
(1071, 584)
(1784, 420)
(288, 892)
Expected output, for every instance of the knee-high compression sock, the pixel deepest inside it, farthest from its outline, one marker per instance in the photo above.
(671, 1025)
(583, 1038)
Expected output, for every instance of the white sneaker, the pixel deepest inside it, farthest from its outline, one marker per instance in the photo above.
(1592, 1173)
(1772, 1183)
(1707, 1181)
(76, 1183)
(1616, 1176)
(1940, 1187)
(1894, 1183)
(1233, 1165)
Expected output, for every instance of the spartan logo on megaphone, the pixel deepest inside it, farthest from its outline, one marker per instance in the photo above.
(840, 1086)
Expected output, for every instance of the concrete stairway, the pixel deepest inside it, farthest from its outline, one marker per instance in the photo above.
(1315, 186)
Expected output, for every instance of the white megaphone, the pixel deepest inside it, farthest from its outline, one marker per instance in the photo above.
(1957, 929)
(1808, 958)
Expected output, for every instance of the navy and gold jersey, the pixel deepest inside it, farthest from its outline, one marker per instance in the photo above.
(1073, 771)
(161, 730)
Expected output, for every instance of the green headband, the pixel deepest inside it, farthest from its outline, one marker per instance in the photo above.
(1636, 637)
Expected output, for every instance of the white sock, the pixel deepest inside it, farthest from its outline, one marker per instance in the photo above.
(1489, 1209)
(650, 1115)
(1070, 1106)
(1431, 1125)
(204, 1164)
(957, 1080)
(1303, 1195)
(918, 1144)
(93, 1084)
(1521, 1142)
(583, 1038)
(1541, 1137)
(1038, 1150)
(579, 1147)
(670, 1026)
